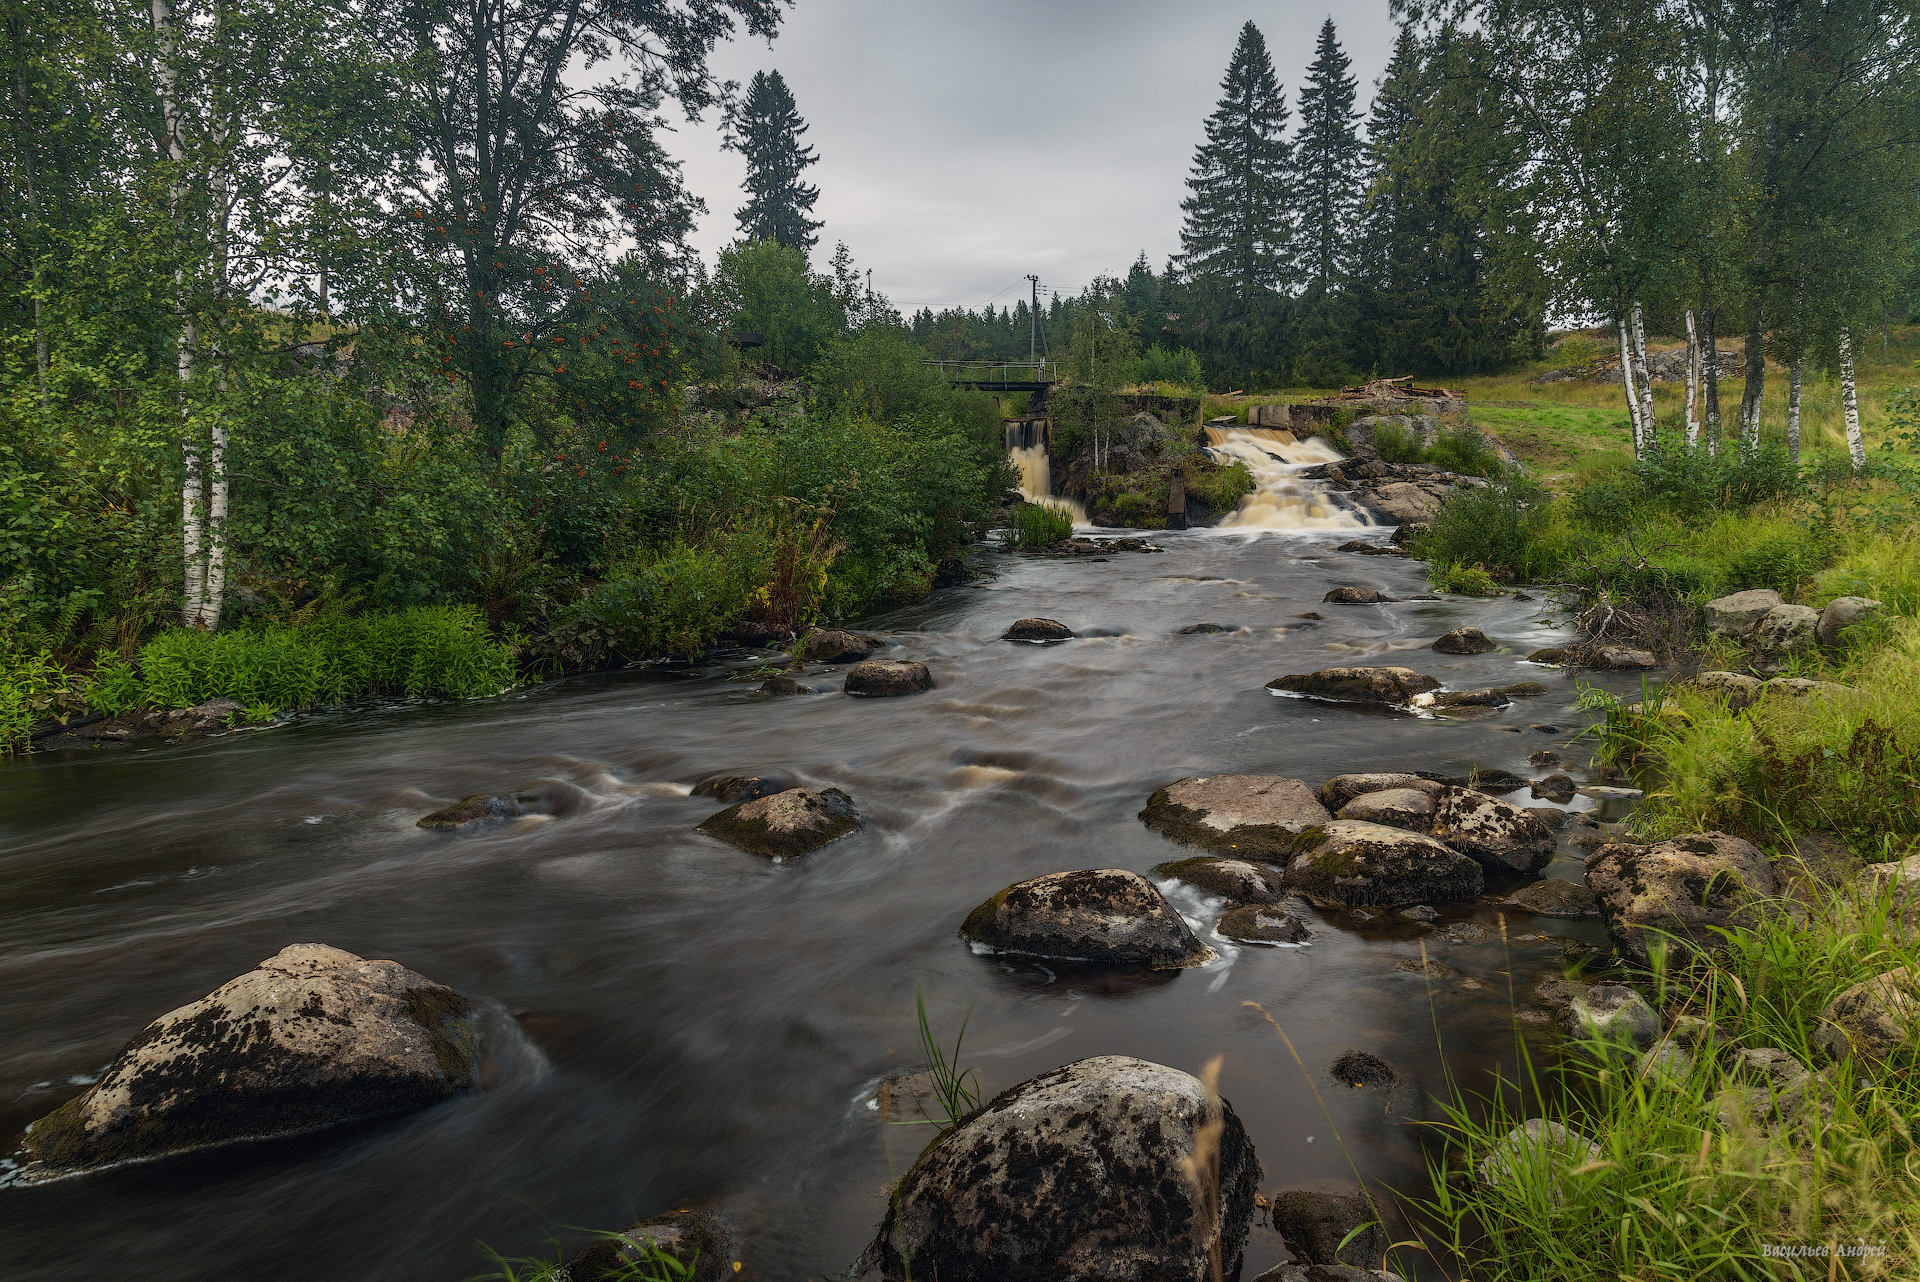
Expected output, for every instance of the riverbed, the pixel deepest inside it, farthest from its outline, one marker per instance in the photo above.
(673, 1022)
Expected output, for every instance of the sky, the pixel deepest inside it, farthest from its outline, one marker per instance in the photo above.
(963, 146)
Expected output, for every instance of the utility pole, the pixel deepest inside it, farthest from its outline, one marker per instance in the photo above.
(1033, 321)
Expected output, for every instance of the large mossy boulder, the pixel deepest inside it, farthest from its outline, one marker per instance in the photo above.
(1079, 1175)
(1231, 879)
(699, 1242)
(1675, 892)
(879, 679)
(312, 1037)
(787, 823)
(1497, 834)
(1251, 816)
(1105, 915)
(834, 645)
(1355, 864)
(1357, 685)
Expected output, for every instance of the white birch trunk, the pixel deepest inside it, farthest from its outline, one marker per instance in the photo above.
(1693, 382)
(1647, 426)
(216, 581)
(1850, 400)
(1626, 379)
(192, 497)
(1796, 374)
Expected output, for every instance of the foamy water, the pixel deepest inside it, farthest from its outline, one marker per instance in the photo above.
(1036, 481)
(1282, 499)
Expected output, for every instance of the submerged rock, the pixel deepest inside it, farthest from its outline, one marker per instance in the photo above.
(1106, 915)
(1358, 864)
(1355, 596)
(1074, 1176)
(783, 685)
(1254, 816)
(1313, 1225)
(313, 1037)
(787, 823)
(1552, 654)
(1492, 831)
(1358, 685)
(834, 645)
(1201, 629)
(1465, 641)
(483, 811)
(1550, 897)
(1233, 879)
(740, 787)
(694, 1238)
(878, 679)
(1037, 630)
(1558, 787)
(1363, 1068)
(1677, 891)
(1409, 808)
(1339, 790)
(1259, 924)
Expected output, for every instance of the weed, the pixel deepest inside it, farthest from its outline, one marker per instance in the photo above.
(950, 1083)
(1461, 580)
(637, 1262)
(1036, 525)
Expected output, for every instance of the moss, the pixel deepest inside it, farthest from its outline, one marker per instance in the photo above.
(1264, 843)
(446, 1016)
(980, 921)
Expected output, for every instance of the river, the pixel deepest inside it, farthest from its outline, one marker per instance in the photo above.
(670, 1021)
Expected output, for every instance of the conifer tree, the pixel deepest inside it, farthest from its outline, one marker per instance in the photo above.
(766, 129)
(1237, 229)
(1327, 166)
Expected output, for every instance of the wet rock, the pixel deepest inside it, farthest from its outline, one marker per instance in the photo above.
(1616, 658)
(1037, 630)
(1325, 1273)
(731, 788)
(1736, 688)
(1339, 790)
(1357, 864)
(1232, 879)
(787, 823)
(1365, 548)
(783, 685)
(1258, 924)
(1409, 808)
(1490, 779)
(1464, 932)
(1552, 654)
(1105, 915)
(1843, 612)
(1677, 891)
(1465, 641)
(1073, 1176)
(1535, 1146)
(879, 679)
(694, 1238)
(1426, 968)
(1200, 629)
(1419, 912)
(1552, 817)
(1736, 614)
(1551, 897)
(313, 1037)
(1544, 729)
(1254, 816)
(1311, 615)
(1313, 1224)
(834, 645)
(1358, 685)
(1363, 1068)
(469, 813)
(1613, 1014)
(1877, 1020)
(1408, 531)
(1490, 830)
(1602, 792)
(1483, 698)
(1558, 788)
(1780, 633)
(1355, 596)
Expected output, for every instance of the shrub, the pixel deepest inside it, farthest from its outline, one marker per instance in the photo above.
(1502, 528)
(1462, 448)
(1608, 500)
(1159, 365)
(1038, 524)
(670, 602)
(31, 686)
(1461, 580)
(1692, 481)
(1779, 561)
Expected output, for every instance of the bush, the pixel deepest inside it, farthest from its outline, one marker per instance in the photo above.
(1159, 365)
(32, 687)
(1779, 561)
(1609, 500)
(1502, 528)
(1461, 580)
(672, 602)
(1691, 481)
(1039, 524)
(1462, 448)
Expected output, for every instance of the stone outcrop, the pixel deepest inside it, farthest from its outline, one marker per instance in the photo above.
(1105, 915)
(1261, 924)
(1252, 816)
(1877, 1020)
(787, 823)
(1037, 630)
(1409, 808)
(1735, 615)
(1339, 790)
(835, 645)
(1363, 864)
(1613, 658)
(696, 1239)
(1232, 879)
(878, 679)
(313, 1037)
(1550, 897)
(1465, 641)
(1841, 613)
(470, 813)
(1355, 596)
(1402, 502)
(1076, 1176)
(1497, 834)
(1675, 892)
(1358, 685)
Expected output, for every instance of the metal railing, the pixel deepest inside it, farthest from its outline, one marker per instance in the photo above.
(1040, 371)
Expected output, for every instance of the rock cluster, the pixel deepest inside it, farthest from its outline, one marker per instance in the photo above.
(1393, 493)
(1774, 630)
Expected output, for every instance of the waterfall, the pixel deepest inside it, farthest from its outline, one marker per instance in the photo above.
(1282, 499)
(1036, 481)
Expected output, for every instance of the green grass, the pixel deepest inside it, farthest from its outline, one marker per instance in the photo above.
(1035, 525)
(652, 1263)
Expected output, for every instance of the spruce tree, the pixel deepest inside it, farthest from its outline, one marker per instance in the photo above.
(1327, 166)
(766, 129)
(1236, 227)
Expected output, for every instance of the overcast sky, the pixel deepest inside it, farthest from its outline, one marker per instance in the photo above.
(964, 145)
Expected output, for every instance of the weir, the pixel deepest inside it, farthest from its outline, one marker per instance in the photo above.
(1036, 480)
(1282, 499)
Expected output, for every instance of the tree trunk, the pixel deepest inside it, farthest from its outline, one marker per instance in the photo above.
(1850, 400)
(1626, 380)
(1693, 383)
(1710, 352)
(1756, 382)
(1649, 427)
(192, 489)
(1795, 376)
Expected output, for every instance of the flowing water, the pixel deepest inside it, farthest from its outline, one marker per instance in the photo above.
(670, 1021)
(1036, 481)
(1282, 499)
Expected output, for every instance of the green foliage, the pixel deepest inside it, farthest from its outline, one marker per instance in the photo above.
(1779, 561)
(1178, 365)
(30, 689)
(1461, 448)
(1692, 481)
(769, 289)
(673, 601)
(957, 1089)
(640, 1262)
(1036, 525)
(1499, 528)
(765, 128)
(1461, 580)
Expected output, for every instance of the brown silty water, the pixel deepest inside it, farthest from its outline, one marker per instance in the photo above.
(670, 1021)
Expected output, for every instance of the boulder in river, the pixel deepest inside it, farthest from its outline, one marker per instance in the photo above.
(469, 813)
(877, 679)
(1261, 924)
(1549, 897)
(1465, 641)
(730, 788)
(787, 823)
(834, 645)
(1204, 629)
(783, 685)
(1076, 1176)
(1358, 685)
(1339, 790)
(1356, 596)
(1364, 864)
(1676, 892)
(1105, 915)
(1232, 879)
(1497, 834)
(1313, 1224)
(1252, 816)
(1409, 808)
(1552, 654)
(1557, 788)
(1616, 658)
(1037, 630)
(696, 1239)
(312, 1037)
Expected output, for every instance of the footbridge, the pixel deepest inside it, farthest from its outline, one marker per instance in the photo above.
(1040, 376)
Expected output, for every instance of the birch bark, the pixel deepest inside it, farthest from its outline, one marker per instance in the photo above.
(1850, 401)
(1647, 424)
(1626, 379)
(1796, 374)
(192, 495)
(1693, 383)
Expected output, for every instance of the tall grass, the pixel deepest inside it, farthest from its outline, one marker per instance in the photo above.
(649, 1262)
(1035, 525)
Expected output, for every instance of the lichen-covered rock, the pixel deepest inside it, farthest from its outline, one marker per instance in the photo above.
(1313, 1224)
(1555, 787)
(470, 813)
(1339, 790)
(1105, 915)
(1465, 641)
(1616, 658)
(1533, 1148)
(1877, 1019)
(1260, 924)
(731, 788)
(1490, 830)
(1736, 614)
(1357, 864)
(878, 679)
(1252, 816)
(1799, 687)
(1409, 808)
(1233, 879)
(1783, 631)
(1614, 1015)
(1550, 897)
(1037, 630)
(1355, 596)
(787, 823)
(1677, 891)
(1736, 688)
(1357, 685)
(1401, 503)
(313, 1037)
(834, 645)
(1840, 613)
(1076, 1176)
(694, 1238)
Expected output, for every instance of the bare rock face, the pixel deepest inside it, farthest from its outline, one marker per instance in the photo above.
(1409, 808)
(787, 823)
(1840, 613)
(877, 679)
(472, 813)
(1259, 924)
(1037, 630)
(1233, 879)
(1075, 1176)
(1490, 830)
(1363, 864)
(1105, 915)
(1355, 596)
(1553, 898)
(1736, 614)
(1877, 1019)
(1676, 891)
(1251, 816)
(1339, 790)
(1403, 503)
(696, 1239)
(1465, 641)
(1358, 685)
(313, 1037)
(834, 645)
